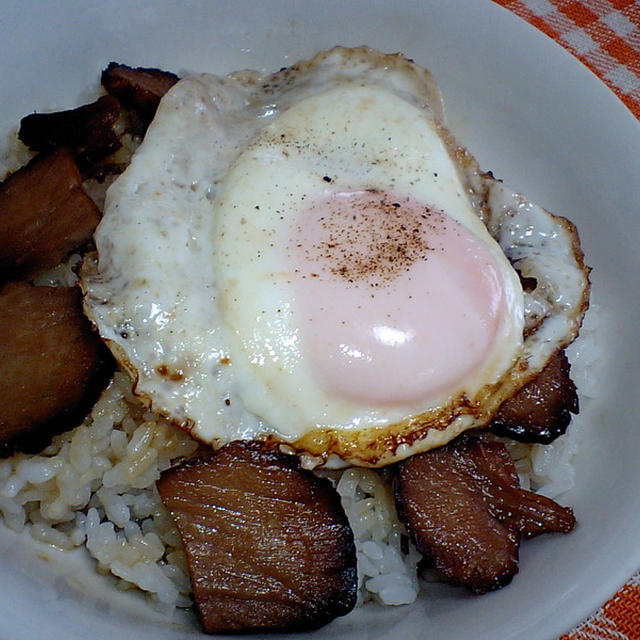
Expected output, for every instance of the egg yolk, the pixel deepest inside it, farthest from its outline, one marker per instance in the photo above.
(399, 302)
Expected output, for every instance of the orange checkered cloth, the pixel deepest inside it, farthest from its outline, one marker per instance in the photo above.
(605, 36)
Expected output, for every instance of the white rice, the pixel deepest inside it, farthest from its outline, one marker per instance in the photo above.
(94, 486)
(387, 560)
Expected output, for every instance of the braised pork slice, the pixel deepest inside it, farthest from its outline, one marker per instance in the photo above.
(53, 365)
(532, 513)
(87, 131)
(441, 502)
(138, 88)
(268, 544)
(44, 215)
(463, 507)
(541, 410)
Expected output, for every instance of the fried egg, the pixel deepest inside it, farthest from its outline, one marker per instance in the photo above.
(310, 257)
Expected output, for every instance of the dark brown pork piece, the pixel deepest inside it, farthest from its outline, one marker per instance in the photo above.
(532, 513)
(541, 410)
(441, 502)
(44, 215)
(268, 544)
(139, 89)
(466, 513)
(87, 131)
(53, 366)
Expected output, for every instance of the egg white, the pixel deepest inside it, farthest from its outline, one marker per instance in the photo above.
(175, 294)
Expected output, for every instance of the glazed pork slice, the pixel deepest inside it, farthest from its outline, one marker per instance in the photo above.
(53, 366)
(44, 215)
(532, 513)
(87, 131)
(138, 88)
(466, 513)
(441, 502)
(268, 544)
(541, 410)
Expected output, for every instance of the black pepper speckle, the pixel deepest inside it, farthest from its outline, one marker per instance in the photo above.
(378, 241)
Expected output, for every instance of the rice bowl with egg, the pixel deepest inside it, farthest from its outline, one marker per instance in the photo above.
(369, 547)
(95, 486)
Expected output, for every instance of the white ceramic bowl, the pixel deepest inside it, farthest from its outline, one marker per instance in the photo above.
(528, 111)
